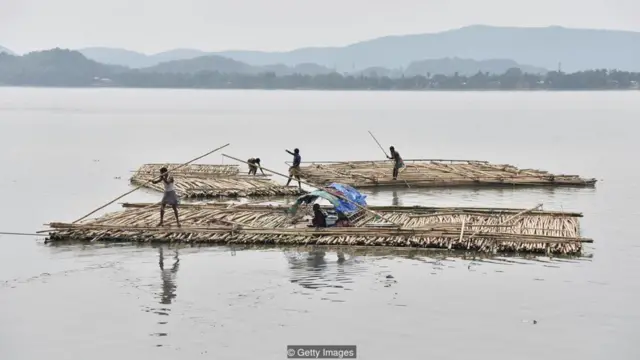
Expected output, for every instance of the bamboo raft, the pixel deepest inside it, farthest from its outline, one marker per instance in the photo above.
(434, 173)
(202, 181)
(471, 229)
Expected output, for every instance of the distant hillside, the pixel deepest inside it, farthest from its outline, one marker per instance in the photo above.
(203, 63)
(112, 56)
(230, 66)
(132, 59)
(55, 67)
(576, 49)
(66, 68)
(4, 50)
(467, 67)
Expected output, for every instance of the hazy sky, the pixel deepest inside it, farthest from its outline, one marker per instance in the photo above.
(157, 25)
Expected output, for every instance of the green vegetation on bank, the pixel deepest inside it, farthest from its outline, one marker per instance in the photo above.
(64, 68)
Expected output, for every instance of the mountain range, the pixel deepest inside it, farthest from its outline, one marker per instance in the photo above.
(226, 65)
(53, 65)
(447, 66)
(547, 47)
(5, 50)
(68, 68)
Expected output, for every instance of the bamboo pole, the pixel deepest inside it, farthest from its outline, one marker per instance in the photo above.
(19, 234)
(323, 188)
(405, 160)
(381, 148)
(149, 181)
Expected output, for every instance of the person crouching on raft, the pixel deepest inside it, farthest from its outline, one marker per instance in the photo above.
(397, 162)
(319, 218)
(294, 170)
(170, 197)
(254, 164)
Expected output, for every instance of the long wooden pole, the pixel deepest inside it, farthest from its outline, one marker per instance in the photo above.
(376, 140)
(20, 234)
(146, 183)
(321, 188)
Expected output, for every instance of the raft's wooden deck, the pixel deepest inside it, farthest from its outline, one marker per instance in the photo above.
(434, 173)
(479, 229)
(199, 180)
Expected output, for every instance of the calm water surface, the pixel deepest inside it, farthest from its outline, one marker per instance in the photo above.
(66, 152)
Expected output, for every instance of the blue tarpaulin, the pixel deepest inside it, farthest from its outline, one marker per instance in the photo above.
(342, 206)
(350, 193)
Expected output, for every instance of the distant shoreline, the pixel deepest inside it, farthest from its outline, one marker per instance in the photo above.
(317, 89)
(65, 68)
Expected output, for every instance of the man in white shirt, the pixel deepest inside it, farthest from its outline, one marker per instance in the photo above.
(170, 197)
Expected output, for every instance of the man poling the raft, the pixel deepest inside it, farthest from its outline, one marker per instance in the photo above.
(170, 197)
(395, 156)
(397, 162)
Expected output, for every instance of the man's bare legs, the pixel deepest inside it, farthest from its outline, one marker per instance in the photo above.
(175, 212)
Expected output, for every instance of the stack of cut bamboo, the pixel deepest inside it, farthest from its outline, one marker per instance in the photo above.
(433, 173)
(198, 180)
(494, 230)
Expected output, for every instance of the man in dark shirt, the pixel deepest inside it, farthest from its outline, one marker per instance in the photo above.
(254, 164)
(319, 218)
(294, 170)
(397, 161)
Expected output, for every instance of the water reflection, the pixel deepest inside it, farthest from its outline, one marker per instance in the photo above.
(168, 278)
(395, 201)
(167, 293)
(317, 268)
(335, 267)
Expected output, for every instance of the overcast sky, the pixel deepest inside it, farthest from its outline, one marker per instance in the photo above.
(156, 25)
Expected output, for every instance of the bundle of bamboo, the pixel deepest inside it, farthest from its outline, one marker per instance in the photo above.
(191, 169)
(494, 230)
(434, 173)
(197, 180)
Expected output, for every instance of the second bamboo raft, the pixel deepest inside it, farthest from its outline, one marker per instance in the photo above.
(199, 180)
(434, 173)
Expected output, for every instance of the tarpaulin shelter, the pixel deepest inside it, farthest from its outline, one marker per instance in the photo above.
(346, 208)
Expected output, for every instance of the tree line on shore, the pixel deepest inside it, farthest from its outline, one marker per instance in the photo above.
(64, 68)
(513, 79)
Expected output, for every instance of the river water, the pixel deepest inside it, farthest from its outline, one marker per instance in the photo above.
(67, 151)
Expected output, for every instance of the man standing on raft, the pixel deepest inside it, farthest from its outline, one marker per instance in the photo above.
(397, 162)
(294, 170)
(170, 197)
(254, 164)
